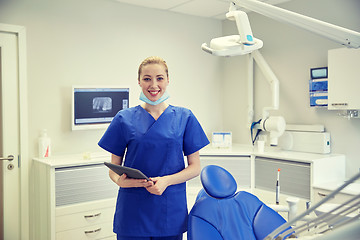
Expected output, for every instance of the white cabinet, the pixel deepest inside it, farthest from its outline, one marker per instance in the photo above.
(299, 172)
(344, 79)
(73, 199)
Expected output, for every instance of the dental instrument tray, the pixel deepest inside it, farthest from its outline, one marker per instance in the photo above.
(130, 172)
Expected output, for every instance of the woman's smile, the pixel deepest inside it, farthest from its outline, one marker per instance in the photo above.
(154, 93)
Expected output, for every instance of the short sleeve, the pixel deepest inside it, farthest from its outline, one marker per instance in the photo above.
(114, 139)
(194, 136)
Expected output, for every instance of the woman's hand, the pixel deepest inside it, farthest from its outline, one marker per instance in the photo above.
(159, 185)
(125, 182)
(191, 171)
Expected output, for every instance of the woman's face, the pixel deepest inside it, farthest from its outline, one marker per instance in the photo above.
(153, 81)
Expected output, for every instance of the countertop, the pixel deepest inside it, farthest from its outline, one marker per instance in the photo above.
(351, 189)
(75, 159)
(235, 150)
(269, 152)
(87, 158)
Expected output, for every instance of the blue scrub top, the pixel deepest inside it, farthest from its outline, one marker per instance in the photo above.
(157, 148)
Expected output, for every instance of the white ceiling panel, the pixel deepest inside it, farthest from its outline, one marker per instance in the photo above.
(203, 8)
(159, 4)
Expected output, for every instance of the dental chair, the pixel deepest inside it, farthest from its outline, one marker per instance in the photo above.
(221, 214)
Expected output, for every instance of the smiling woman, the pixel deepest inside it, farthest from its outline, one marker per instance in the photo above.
(155, 137)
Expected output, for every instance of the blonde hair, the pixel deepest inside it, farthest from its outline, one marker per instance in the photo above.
(153, 60)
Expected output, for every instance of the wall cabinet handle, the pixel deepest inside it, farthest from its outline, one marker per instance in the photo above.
(323, 194)
(339, 104)
(93, 215)
(92, 231)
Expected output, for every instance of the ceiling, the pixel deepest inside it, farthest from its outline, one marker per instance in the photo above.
(203, 8)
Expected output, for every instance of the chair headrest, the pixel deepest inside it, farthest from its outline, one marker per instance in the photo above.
(218, 182)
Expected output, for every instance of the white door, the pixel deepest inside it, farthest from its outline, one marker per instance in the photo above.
(9, 137)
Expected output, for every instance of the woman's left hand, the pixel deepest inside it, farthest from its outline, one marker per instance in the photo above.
(160, 185)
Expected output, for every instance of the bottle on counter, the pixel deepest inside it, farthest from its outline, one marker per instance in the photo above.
(44, 145)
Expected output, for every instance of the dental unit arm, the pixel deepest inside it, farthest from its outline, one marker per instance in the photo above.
(274, 125)
(343, 36)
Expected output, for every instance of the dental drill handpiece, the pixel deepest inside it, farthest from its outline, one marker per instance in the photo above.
(278, 186)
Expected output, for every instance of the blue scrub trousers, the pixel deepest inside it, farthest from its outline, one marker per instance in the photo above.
(179, 237)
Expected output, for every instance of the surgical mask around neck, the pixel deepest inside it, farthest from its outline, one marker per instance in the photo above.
(164, 97)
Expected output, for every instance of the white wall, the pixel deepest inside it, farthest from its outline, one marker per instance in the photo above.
(94, 42)
(291, 52)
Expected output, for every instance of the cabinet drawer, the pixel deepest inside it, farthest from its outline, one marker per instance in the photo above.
(98, 231)
(84, 219)
(320, 194)
(295, 177)
(110, 238)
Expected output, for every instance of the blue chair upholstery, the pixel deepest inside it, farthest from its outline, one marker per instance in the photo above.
(220, 213)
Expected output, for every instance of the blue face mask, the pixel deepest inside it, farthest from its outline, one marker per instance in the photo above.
(164, 97)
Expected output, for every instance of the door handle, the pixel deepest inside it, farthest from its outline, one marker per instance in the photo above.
(9, 158)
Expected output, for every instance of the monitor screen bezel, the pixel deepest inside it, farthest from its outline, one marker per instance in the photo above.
(313, 76)
(89, 126)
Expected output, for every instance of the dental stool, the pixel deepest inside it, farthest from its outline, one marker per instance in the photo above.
(221, 214)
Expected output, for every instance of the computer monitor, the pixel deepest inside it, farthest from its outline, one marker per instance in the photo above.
(95, 107)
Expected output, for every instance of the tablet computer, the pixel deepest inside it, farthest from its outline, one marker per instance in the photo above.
(130, 172)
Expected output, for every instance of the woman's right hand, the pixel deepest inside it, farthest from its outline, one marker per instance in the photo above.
(125, 182)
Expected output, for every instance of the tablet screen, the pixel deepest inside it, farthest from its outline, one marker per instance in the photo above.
(130, 172)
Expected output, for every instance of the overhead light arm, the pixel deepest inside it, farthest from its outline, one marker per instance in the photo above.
(243, 26)
(346, 37)
(234, 45)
